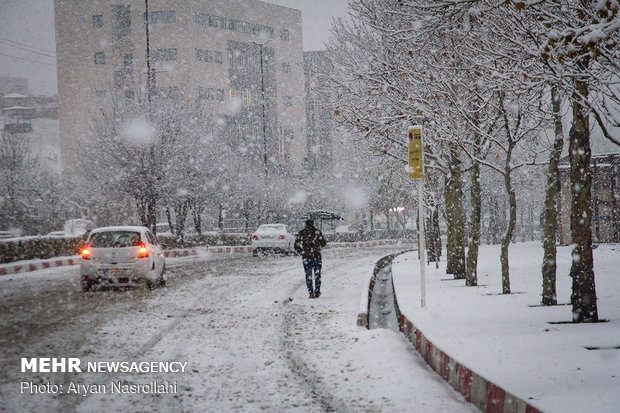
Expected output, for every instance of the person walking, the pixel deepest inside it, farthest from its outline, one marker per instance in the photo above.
(309, 242)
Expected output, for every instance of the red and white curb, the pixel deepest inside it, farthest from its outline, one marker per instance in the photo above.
(17, 268)
(210, 250)
(229, 250)
(39, 265)
(486, 395)
(363, 244)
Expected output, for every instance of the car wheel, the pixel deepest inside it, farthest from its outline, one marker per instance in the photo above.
(161, 281)
(255, 253)
(150, 284)
(87, 285)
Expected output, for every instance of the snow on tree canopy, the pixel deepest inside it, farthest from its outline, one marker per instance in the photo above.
(355, 198)
(139, 131)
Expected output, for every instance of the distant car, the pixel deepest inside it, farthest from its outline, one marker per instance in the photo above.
(272, 238)
(78, 227)
(7, 234)
(122, 256)
(56, 234)
(344, 229)
(162, 228)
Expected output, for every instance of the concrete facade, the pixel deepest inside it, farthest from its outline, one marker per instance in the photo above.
(319, 114)
(605, 205)
(10, 85)
(206, 51)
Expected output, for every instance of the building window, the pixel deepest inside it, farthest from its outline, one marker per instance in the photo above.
(209, 93)
(286, 67)
(171, 92)
(284, 34)
(209, 56)
(98, 20)
(128, 59)
(287, 101)
(155, 17)
(217, 22)
(100, 58)
(100, 96)
(260, 29)
(163, 55)
(204, 55)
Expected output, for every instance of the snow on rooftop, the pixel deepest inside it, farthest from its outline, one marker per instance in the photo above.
(14, 96)
(17, 108)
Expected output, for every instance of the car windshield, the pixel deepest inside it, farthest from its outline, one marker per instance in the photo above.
(271, 228)
(114, 239)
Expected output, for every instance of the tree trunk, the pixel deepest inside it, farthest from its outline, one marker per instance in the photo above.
(220, 217)
(512, 219)
(437, 238)
(169, 219)
(471, 275)
(583, 296)
(549, 267)
(456, 226)
(196, 212)
(372, 220)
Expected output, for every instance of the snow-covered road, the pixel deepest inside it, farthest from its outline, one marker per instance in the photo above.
(251, 338)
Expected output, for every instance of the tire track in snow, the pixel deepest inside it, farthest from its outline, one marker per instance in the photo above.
(292, 347)
(309, 380)
(67, 403)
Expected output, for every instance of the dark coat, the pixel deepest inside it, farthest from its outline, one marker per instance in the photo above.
(309, 242)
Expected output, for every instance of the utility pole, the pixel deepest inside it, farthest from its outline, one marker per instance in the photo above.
(262, 92)
(150, 79)
(149, 74)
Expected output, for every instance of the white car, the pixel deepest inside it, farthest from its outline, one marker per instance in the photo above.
(56, 234)
(272, 238)
(122, 256)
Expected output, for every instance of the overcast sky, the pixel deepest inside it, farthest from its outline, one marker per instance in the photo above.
(27, 44)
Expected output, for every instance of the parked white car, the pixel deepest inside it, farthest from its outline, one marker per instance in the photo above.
(122, 256)
(56, 234)
(272, 238)
(78, 227)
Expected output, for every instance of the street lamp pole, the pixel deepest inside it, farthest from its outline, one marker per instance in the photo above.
(262, 91)
(149, 74)
(264, 116)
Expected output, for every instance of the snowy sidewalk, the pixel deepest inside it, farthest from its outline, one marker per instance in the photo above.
(511, 341)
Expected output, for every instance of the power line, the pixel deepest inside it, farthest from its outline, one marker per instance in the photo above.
(25, 45)
(27, 60)
(27, 50)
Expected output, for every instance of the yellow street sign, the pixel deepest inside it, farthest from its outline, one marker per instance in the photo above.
(416, 165)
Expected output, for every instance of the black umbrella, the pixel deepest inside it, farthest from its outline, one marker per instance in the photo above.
(321, 215)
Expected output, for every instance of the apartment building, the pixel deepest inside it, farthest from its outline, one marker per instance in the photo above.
(10, 85)
(605, 201)
(319, 114)
(224, 54)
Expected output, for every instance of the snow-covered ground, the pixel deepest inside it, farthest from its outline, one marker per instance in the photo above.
(508, 340)
(252, 339)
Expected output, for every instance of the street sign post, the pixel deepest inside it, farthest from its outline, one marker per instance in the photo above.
(416, 171)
